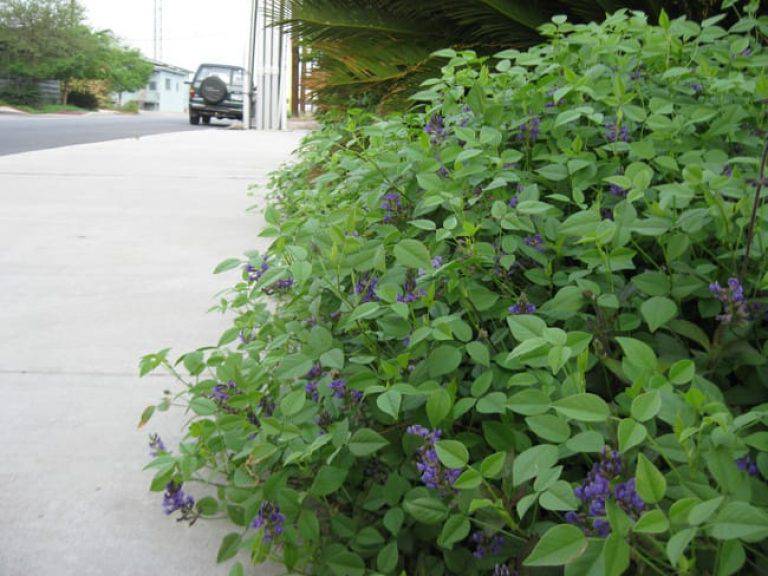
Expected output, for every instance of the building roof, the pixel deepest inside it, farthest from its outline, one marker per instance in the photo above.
(168, 67)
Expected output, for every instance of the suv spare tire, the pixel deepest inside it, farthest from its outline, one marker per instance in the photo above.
(213, 90)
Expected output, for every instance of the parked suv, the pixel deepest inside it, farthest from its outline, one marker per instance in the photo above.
(216, 90)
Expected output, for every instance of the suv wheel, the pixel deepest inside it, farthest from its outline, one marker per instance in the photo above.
(194, 119)
(206, 120)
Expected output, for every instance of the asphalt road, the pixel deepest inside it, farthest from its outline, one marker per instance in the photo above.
(23, 133)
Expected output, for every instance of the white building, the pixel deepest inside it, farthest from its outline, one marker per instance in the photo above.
(165, 91)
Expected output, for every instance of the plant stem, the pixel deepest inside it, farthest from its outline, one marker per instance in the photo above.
(755, 207)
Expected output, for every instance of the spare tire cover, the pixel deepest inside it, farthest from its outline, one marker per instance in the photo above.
(213, 89)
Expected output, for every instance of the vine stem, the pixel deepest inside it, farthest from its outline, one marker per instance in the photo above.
(755, 207)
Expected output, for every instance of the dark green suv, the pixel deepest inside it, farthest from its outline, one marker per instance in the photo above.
(216, 91)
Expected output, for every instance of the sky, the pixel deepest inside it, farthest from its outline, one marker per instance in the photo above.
(194, 31)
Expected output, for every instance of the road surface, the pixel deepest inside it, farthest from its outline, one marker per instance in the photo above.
(22, 132)
(107, 253)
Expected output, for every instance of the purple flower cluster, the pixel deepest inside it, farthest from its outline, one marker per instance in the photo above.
(486, 544)
(614, 133)
(443, 172)
(392, 205)
(512, 202)
(366, 288)
(503, 570)
(313, 375)
(735, 307)
(436, 129)
(437, 261)
(595, 491)
(747, 464)
(411, 293)
(270, 519)
(617, 191)
(522, 306)
(697, 87)
(255, 273)
(530, 130)
(176, 499)
(156, 446)
(222, 392)
(267, 406)
(340, 390)
(283, 285)
(536, 242)
(433, 474)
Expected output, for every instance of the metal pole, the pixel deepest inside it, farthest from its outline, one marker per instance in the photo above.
(248, 80)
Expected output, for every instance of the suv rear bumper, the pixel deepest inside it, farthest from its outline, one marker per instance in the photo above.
(223, 110)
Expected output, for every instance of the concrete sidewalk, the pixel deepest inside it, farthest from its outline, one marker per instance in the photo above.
(106, 252)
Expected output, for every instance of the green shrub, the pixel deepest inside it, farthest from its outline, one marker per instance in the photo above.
(131, 107)
(521, 330)
(22, 92)
(83, 99)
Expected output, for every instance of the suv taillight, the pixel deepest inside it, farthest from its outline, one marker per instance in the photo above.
(191, 91)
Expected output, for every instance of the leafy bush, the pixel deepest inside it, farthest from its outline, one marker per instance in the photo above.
(83, 99)
(23, 92)
(131, 107)
(521, 330)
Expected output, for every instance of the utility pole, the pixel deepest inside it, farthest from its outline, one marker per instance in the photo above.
(157, 47)
(248, 102)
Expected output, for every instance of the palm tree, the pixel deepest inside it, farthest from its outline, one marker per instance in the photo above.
(382, 47)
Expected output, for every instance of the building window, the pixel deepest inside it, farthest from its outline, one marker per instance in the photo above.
(153, 85)
(167, 83)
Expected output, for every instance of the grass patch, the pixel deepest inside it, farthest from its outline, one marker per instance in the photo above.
(44, 109)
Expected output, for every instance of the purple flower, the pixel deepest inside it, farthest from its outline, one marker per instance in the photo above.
(536, 242)
(436, 129)
(596, 490)
(366, 288)
(443, 171)
(512, 202)
(176, 499)
(486, 544)
(392, 205)
(437, 261)
(728, 170)
(270, 519)
(156, 446)
(255, 273)
(503, 570)
(267, 406)
(614, 133)
(530, 129)
(432, 472)
(339, 387)
(410, 292)
(697, 88)
(522, 308)
(283, 285)
(746, 52)
(735, 305)
(617, 191)
(311, 390)
(747, 464)
(222, 392)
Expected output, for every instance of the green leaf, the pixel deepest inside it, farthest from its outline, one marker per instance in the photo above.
(230, 544)
(386, 560)
(479, 353)
(657, 311)
(333, 359)
(412, 254)
(346, 564)
(638, 353)
(682, 371)
(452, 453)
(631, 433)
(227, 264)
(646, 406)
(652, 522)
(559, 545)
(362, 312)
(468, 480)
(443, 360)
(616, 555)
(531, 462)
(493, 403)
(740, 520)
(438, 406)
(678, 543)
(731, 558)
(426, 510)
(146, 415)
(293, 402)
(549, 427)
(492, 465)
(237, 570)
(455, 529)
(366, 441)
(651, 484)
(389, 402)
(701, 512)
(393, 520)
(203, 406)
(327, 480)
(559, 497)
(585, 407)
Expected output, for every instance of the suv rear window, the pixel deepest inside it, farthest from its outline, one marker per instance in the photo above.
(230, 76)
